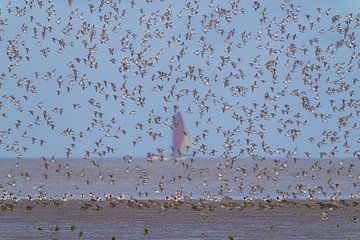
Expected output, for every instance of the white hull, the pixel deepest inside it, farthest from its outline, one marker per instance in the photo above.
(163, 158)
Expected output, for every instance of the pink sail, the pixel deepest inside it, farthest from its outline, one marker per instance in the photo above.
(178, 134)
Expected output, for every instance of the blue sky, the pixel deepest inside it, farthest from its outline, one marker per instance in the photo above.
(80, 119)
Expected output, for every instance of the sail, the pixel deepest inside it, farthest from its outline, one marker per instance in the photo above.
(182, 141)
(188, 142)
(178, 134)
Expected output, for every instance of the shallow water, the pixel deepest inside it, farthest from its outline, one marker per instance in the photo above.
(141, 179)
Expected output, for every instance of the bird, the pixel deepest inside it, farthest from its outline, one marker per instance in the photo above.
(108, 77)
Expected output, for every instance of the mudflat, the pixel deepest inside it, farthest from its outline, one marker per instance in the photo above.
(132, 219)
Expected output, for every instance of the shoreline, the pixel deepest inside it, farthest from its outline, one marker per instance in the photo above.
(195, 205)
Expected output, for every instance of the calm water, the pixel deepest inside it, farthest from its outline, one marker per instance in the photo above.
(199, 179)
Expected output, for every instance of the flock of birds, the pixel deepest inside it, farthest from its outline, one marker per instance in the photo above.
(99, 78)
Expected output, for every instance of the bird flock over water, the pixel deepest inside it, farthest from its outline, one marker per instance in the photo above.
(253, 79)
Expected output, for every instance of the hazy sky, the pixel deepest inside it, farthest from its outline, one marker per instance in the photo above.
(124, 34)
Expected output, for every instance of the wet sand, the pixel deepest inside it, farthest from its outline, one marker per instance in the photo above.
(171, 220)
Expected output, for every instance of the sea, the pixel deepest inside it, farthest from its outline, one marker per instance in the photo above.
(310, 199)
(209, 179)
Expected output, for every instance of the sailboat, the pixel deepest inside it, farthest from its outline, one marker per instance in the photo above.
(182, 141)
